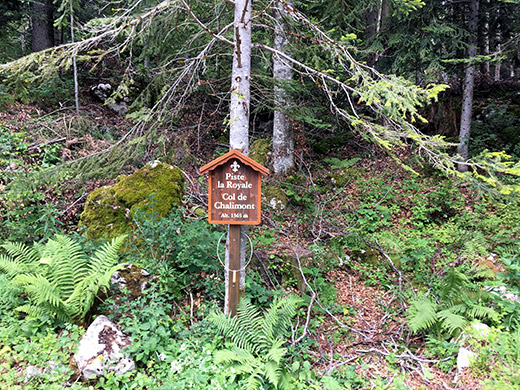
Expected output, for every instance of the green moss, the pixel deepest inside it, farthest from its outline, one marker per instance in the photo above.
(154, 189)
(134, 279)
(275, 197)
(103, 216)
(260, 150)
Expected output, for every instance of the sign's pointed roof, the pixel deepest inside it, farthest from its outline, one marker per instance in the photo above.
(234, 154)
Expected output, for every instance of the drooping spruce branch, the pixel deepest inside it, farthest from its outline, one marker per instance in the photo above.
(381, 108)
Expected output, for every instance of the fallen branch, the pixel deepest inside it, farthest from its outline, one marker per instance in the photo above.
(38, 145)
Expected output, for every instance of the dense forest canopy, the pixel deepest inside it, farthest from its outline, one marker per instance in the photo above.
(388, 253)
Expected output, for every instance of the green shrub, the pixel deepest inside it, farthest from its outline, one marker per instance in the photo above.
(181, 253)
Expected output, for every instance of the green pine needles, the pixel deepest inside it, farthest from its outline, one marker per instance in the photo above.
(461, 301)
(60, 280)
(258, 340)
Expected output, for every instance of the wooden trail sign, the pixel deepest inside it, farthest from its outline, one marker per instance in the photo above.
(235, 190)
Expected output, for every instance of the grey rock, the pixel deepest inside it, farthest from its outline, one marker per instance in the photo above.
(101, 91)
(131, 278)
(100, 348)
(31, 372)
(464, 358)
(119, 108)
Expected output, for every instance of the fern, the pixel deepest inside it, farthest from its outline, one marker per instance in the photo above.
(421, 315)
(258, 351)
(59, 279)
(461, 301)
(451, 322)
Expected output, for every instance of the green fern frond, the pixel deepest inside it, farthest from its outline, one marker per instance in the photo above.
(258, 340)
(454, 282)
(480, 311)
(272, 372)
(509, 251)
(12, 267)
(276, 352)
(40, 290)
(250, 321)
(421, 315)
(254, 382)
(225, 356)
(477, 245)
(66, 263)
(21, 252)
(58, 277)
(106, 257)
(451, 322)
(32, 311)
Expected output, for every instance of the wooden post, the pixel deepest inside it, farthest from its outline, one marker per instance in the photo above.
(235, 189)
(234, 268)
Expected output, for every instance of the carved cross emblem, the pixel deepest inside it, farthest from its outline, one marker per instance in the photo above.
(235, 166)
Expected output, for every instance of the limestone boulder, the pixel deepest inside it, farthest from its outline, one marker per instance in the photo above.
(154, 190)
(100, 349)
(476, 332)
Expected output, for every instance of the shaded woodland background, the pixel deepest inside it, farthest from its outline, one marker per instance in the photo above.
(384, 241)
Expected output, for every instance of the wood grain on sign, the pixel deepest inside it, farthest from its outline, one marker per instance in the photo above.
(235, 190)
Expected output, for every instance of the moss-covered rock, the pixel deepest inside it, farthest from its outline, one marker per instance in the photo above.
(260, 151)
(154, 189)
(130, 281)
(275, 197)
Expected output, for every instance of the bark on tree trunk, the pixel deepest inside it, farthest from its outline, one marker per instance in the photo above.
(484, 34)
(42, 32)
(75, 68)
(498, 37)
(469, 84)
(239, 109)
(371, 18)
(283, 142)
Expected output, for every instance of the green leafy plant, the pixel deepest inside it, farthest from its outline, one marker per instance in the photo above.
(258, 339)
(59, 279)
(178, 251)
(461, 301)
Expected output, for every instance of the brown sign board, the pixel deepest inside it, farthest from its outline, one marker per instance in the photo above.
(235, 189)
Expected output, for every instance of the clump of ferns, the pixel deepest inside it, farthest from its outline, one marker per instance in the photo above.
(459, 301)
(258, 338)
(58, 277)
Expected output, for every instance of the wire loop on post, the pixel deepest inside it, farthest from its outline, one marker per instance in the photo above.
(245, 265)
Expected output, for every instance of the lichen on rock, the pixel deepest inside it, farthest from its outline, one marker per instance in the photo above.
(275, 197)
(155, 189)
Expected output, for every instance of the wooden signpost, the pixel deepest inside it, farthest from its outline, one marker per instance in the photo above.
(235, 190)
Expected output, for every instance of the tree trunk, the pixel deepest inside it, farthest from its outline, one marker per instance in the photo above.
(283, 142)
(498, 37)
(469, 83)
(75, 68)
(239, 109)
(42, 22)
(484, 35)
(371, 19)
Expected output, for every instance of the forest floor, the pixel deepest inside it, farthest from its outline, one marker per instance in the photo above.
(371, 330)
